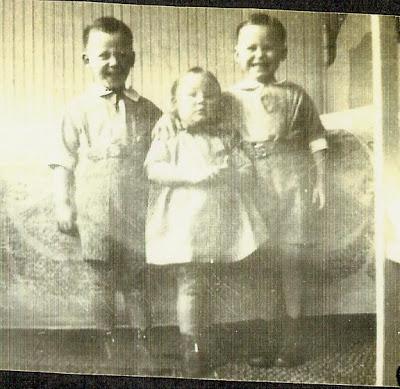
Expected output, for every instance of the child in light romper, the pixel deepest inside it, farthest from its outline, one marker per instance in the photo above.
(282, 134)
(196, 217)
(102, 142)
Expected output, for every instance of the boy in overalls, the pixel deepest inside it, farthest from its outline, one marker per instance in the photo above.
(100, 186)
(281, 132)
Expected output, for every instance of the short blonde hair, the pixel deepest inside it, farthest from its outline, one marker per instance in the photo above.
(109, 25)
(263, 19)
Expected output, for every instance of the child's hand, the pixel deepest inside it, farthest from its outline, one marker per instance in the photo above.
(218, 171)
(66, 219)
(203, 176)
(318, 197)
(166, 127)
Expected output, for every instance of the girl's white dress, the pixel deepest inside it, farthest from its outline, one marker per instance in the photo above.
(209, 222)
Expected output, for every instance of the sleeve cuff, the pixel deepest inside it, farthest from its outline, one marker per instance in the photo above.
(318, 145)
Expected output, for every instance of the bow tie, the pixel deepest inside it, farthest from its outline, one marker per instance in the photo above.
(119, 95)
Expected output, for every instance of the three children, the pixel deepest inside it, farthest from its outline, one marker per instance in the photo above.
(200, 210)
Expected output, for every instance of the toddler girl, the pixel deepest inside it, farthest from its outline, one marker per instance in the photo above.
(196, 215)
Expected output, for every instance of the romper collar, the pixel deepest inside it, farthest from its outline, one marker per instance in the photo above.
(252, 84)
(101, 91)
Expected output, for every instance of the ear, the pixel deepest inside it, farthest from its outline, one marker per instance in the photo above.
(85, 58)
(284, 54)
(173, 104)
(236, 55)
(132, 59)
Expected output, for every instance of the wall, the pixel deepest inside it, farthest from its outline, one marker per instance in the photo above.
(42, 67)
(349, 78)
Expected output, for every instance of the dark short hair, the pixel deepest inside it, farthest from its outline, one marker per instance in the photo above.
(194, 70)
(263, 19)
(108, 25)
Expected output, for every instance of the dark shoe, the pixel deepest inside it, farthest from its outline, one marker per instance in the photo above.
(140, 339)
(291, 353)
(109, 345)
(195, 361)
(145, 363)
(263, 360)
(211, 345)
(290, 357)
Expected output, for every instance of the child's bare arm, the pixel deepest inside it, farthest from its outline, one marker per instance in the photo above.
(319, 196)
(63, 182)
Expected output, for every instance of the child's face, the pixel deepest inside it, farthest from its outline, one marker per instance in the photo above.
(259, 52)
(110, 58)
(197, 98)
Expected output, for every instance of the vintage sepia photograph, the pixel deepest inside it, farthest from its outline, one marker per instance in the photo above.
(199, 192)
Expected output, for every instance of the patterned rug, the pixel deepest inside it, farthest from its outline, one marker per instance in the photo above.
(339, 349)
(38, 284)
(36, 260)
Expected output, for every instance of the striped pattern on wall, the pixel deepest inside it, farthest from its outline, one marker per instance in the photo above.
(42, 66)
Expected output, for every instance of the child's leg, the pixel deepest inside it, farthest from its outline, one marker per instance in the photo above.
(102, 302)
(138, 307)
(266, 257)
(292, 280)
(192, 312)
(190, 303)
(291, 353)
(132, 281)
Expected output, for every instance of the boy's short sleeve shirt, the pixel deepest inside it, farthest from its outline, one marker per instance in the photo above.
(104, 140)
(98, 125)
(281, 111)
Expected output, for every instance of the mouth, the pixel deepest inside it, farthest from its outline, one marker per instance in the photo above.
(260, 65)
(113, 74)
(118, 72)
(114, 79)
(201, 113)
(200, 110)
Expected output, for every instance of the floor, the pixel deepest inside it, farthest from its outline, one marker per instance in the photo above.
(340, 349)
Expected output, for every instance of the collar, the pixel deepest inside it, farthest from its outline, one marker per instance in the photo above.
(101, 91)
(179, 126)
(253, 85)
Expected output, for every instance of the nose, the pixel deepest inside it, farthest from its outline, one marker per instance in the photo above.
(200, 98)
(112, 60)
(259, 53)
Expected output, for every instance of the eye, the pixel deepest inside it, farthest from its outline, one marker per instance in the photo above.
(252, 48)
(104, 55)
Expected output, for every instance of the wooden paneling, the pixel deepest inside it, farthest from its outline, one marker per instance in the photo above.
(42, 66)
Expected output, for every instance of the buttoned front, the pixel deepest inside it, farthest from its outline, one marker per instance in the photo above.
(104, 140)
